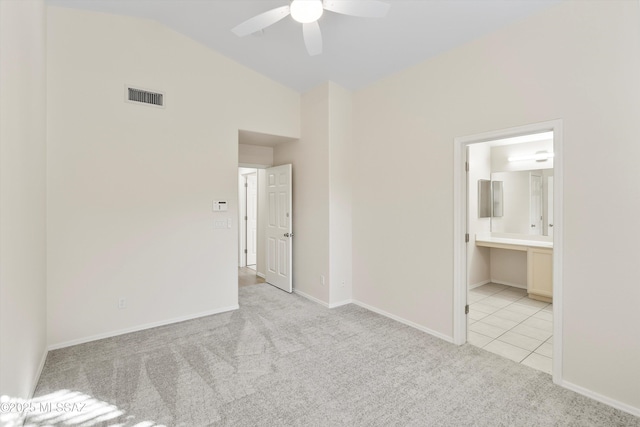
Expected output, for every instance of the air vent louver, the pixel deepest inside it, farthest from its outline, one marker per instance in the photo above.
(145, 96)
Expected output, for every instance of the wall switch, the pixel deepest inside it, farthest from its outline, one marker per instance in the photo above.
(322, 280)
(122, 303)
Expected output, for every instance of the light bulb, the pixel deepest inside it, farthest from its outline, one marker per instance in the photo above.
(306, 11)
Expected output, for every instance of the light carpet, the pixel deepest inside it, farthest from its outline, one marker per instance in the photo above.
(283, 360)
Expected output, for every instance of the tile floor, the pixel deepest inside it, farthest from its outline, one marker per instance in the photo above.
(503, 320)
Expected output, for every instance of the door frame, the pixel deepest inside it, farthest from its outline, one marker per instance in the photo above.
(460, 229)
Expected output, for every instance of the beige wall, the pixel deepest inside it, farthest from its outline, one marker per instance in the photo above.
(22, 196)
(322, 185)
(340, 188)
(255, 155)
(577, 62)
(310, 159)
(130, 186)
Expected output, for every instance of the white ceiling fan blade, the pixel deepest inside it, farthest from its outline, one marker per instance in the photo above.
(261, 21)
(312, 38)
(361, 8)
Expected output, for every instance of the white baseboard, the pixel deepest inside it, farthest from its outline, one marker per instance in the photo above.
(340, 303)
(261, 275)
(600, 398)
(514, 285)
(309, 297)
(477, 285)
(141, 327)
(37, 377)
(405, 321)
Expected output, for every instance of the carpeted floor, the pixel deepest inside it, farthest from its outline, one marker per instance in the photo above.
(283, 360)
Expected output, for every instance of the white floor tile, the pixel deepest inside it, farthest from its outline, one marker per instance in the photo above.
(511, 315)
(521, 341)
(499, 322)
(544, 315)
(476, 315)
(539, 362)
(532, 303)
(532, 332)
(544, 325)
(518, 308)
(507, 350)
(477, 339)
(479, 306)
(546, 349)
(505, 321)
(496, 302)
(471, 298)
(488, 330)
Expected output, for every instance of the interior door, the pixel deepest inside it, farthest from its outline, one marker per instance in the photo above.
(252, 218)
(279, 227)
(535, 206)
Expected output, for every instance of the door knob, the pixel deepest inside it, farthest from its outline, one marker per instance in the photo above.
(288, 234)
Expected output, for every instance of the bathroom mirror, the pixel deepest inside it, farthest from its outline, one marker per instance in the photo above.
(489, 198)
(484, 198)
(526, 205)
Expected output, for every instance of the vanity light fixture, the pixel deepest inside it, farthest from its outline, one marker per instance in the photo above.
(540, 156)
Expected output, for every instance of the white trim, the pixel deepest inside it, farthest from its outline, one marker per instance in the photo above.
(253, 165)
(37, 377)
(340, 303)
(142, 327)
(459, 229)
(600, 398)
(513, 285)
(477, 285)
(309, 297)
(404, 321)
(261, 275)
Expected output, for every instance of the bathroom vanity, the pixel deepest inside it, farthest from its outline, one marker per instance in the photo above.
(539, 260)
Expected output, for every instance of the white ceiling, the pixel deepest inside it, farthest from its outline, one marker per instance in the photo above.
(357, 51)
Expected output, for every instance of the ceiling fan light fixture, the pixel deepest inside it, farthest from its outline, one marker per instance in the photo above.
(306, 11)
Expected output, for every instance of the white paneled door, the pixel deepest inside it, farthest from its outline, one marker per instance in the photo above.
(279, 227)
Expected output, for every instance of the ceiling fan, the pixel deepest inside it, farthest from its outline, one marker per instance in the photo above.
(307, 12)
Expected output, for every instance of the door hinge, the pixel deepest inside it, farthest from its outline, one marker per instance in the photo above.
(246, 218)
(466, 166)
(466, 309)
(246, 184)
(466, 238)
(245, 251)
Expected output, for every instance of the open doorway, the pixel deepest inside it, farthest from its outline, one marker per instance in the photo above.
(248, 233)
(248, 230)
(508, 281)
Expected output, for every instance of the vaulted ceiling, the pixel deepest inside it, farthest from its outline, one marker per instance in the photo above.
(357, 51)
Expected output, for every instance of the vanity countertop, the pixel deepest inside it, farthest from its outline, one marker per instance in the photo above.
(511, 243)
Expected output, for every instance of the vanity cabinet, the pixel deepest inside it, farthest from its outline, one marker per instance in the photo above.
(540, 273)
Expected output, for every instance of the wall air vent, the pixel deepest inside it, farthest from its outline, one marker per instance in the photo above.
(143, 96)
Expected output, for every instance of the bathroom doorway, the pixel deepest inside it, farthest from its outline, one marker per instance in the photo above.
(508, 281)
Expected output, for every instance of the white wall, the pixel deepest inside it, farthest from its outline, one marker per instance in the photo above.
(22, 196)
(130, 186)
(310, 159)
(340, 187)
(322, 194)
(255, 155)
(577, 62)
(478, 262)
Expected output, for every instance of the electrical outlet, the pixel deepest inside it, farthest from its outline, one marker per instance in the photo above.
(342, 284)
(322, 280)
(122, 303)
